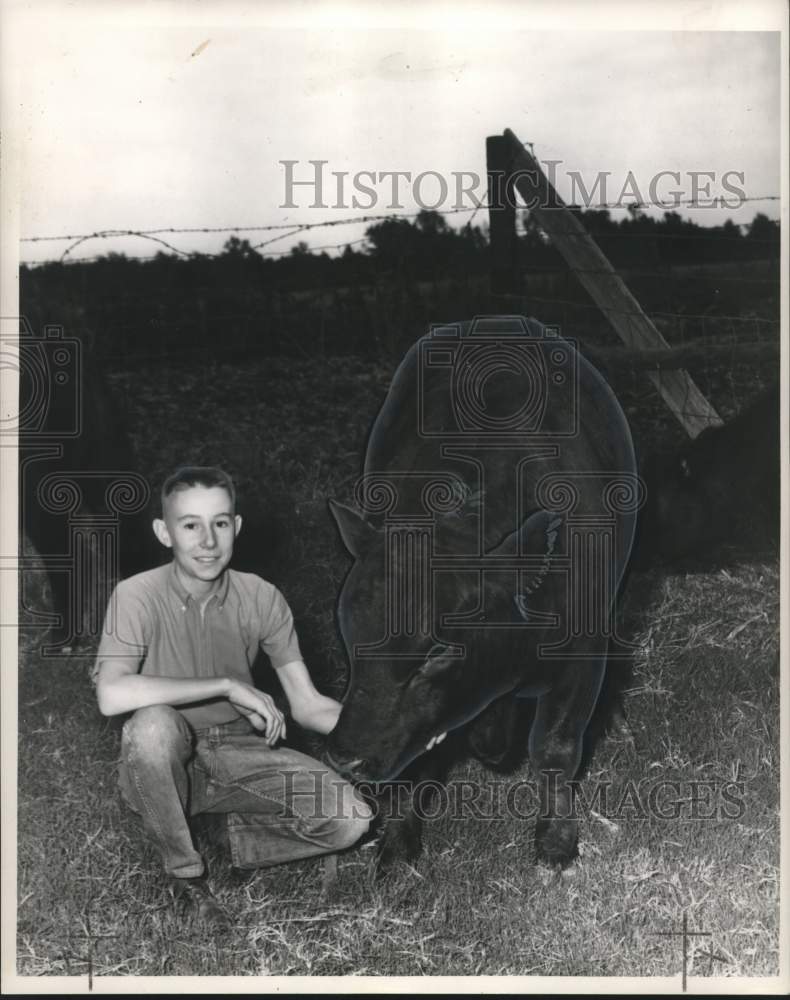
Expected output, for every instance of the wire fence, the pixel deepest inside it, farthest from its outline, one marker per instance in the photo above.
(724, 314)
(287, 230)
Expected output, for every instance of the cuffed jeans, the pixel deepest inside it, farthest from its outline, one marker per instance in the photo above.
(280, 804)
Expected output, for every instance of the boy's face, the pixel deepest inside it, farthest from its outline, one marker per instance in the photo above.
(199, 525)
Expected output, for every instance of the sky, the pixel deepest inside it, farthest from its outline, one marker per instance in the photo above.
(140, 116)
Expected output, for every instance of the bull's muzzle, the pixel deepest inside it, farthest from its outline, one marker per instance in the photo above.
(354, 770)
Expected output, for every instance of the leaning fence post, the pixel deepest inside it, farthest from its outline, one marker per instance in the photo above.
(606, 287)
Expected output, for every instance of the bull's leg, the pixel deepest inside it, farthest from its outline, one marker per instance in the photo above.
(398, 807)
(555, 749)
(400, 837)
(611, 717)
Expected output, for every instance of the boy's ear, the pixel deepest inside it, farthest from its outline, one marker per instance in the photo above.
(161, 532)
(237, 522)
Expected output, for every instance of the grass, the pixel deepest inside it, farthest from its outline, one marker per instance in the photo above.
(702, 701)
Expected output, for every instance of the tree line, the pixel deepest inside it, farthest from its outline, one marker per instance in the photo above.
(240, 296)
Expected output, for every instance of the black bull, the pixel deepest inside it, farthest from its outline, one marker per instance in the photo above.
(499, 501)
(720, 491)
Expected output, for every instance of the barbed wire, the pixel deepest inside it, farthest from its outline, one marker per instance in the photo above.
(241, 229)
(328, 246)
(602, 236)
(286, 230)
(718, 202)
(273, 233)
(195, 254)
(296, 228)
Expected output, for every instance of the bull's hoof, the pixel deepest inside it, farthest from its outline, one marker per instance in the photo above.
(398, 842)
(619, 726)
(556, 841)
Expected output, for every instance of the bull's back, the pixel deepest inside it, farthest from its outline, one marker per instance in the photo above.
(516, 416)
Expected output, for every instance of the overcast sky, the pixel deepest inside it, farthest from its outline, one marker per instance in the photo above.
(180, 118)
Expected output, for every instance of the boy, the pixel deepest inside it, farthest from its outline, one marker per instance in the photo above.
(176, 651)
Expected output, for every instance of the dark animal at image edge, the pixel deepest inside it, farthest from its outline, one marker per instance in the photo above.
(464, 646)
(722, 489)
(85, 463)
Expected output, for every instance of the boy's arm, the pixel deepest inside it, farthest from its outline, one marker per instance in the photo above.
(278, 640)
(312, 709)
(128, 630)
(309, 707)
(120, 688)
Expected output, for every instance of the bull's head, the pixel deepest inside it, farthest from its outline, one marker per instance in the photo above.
(682, 514)
(406, 687)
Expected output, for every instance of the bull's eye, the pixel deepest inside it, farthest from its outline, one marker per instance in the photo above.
(685, 469)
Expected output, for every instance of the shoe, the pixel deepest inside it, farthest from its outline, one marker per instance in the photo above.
(195, 903)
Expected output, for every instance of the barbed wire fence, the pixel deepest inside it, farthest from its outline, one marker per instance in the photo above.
(724, 311)
(289, 229)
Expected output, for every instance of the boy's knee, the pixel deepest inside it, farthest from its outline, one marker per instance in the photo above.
(349, 831)
(157, 730)
(353, 823)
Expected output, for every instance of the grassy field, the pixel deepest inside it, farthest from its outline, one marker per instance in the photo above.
(702, 700)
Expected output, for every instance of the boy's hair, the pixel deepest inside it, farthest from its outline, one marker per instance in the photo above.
(198, 475)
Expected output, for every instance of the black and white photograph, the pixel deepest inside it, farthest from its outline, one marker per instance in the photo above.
(394, 570)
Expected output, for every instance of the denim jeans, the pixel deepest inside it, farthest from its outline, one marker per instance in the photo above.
(280, 804)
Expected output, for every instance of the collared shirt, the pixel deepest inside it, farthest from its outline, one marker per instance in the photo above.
(153, 622)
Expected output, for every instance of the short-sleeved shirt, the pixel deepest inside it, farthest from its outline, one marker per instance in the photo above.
(154, 622)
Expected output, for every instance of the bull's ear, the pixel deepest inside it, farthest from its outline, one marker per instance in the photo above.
(355, 531)
(536, 536)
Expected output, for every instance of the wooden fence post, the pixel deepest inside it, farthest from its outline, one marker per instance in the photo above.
(606, 287)
(505, 279)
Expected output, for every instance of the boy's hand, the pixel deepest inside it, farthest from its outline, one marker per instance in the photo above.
(259, 708)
